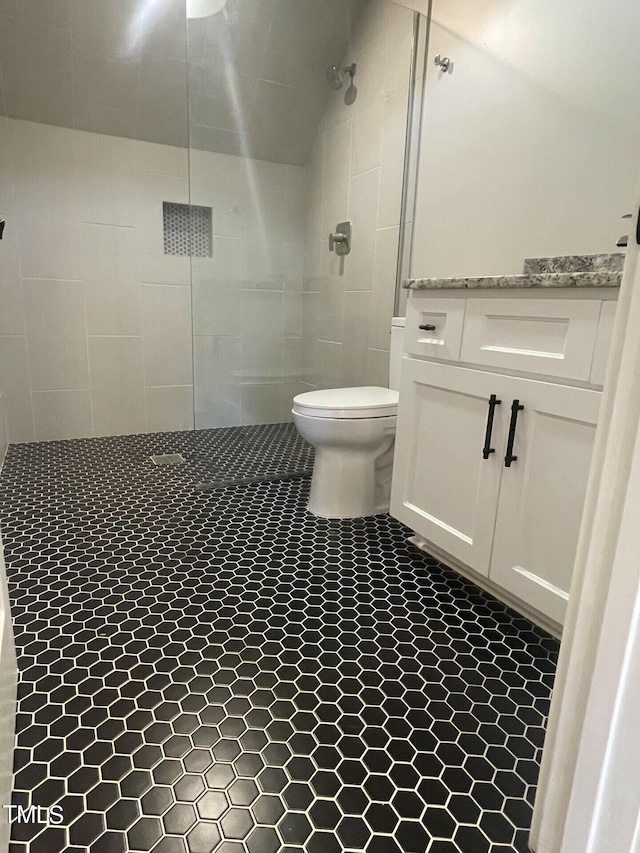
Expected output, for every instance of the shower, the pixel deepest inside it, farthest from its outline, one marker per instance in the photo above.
(335, 75)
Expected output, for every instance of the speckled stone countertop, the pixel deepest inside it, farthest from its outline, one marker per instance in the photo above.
(570, 271)
(558, 279)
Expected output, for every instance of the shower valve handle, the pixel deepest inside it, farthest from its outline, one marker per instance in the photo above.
(340, 239)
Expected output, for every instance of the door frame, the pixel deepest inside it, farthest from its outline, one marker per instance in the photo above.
(588, 797)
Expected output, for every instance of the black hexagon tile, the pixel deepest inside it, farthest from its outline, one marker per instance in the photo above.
(207, 668)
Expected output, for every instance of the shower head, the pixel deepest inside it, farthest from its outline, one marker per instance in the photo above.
(335, 75)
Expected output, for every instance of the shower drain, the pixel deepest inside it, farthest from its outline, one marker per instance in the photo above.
(168, 459)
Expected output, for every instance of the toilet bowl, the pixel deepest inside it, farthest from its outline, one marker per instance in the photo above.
(353, 433)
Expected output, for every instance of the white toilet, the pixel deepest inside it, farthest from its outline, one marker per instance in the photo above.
(353, 433)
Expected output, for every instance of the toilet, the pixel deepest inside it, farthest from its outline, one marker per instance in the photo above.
(353, 433)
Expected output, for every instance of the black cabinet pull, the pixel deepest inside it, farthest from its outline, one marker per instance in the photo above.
(427, 327)
(515, 408)
(488, 450)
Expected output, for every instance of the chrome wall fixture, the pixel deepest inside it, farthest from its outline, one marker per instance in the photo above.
(340, 240)
(335, 75)
(443, 63)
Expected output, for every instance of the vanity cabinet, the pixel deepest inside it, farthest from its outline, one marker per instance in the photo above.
(491, 468)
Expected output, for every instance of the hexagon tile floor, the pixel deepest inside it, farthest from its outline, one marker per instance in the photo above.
(213, 669)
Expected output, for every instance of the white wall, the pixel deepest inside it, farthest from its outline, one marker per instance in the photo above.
(88, 300)
(95, 320)
(355, 173)
(247, 298)
(96, 332)
(529, 146)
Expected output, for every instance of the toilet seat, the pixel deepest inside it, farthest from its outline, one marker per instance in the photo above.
(344, 403)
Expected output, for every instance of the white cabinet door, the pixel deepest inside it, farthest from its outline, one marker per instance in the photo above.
(443, 488)
(542, 494)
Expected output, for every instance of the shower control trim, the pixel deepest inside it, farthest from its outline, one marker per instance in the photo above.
(340, 240)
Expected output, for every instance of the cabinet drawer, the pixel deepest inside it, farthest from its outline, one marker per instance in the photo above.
(446, 315)
(603, 342)
(555, 337)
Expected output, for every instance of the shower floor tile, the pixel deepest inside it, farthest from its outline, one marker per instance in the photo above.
(207, 667)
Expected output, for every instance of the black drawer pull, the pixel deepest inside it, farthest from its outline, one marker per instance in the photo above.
(515, 408)
(427, 327)
(488, 450)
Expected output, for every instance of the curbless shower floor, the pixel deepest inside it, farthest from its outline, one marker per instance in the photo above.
(207, 667)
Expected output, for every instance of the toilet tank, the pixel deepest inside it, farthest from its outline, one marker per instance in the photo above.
(395, 360)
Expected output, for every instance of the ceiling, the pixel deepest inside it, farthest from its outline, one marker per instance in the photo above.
(254, 73)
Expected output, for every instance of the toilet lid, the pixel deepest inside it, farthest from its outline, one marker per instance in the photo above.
(366, 402)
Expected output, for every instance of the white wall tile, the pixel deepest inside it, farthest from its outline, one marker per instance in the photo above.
(216, 289)
(384, 283)
(292, 358)
(166, 334)
(56, 334)
(151, 191)
(329, 362)
(158, 268)
(261, 332)
(370, 77)
(292, 314)
(169, 408)
(217, 398)
(49, 244)
(398, 36)
(90, 224)
(221, 182)
(111, 273)
(61, 414)
(11, 305)
(367, 137)
(265, 403)
(46, 213)
(117, 385)
(158, 159)
(348, 303)
(355, 342)
(363, 204)
(105, 180)
(15, 388)
(335, 184)
(392, 163)
(293, 266)
(378, 368)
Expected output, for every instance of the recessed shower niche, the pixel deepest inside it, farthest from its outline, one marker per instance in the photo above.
(186, 229)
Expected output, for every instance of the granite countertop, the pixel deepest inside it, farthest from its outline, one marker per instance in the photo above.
(567, 271)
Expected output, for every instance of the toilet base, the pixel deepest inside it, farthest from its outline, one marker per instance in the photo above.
(353, 465)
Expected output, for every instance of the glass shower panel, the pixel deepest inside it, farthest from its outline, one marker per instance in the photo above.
(286, 140)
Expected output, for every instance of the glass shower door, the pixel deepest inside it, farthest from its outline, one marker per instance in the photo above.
(287, 140)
